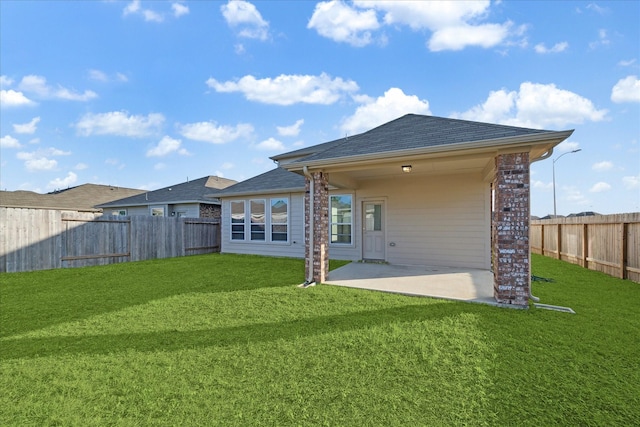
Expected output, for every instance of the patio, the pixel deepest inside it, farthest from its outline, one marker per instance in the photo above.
(462, 284)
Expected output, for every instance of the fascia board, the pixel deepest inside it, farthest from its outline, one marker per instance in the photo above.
(261, 192)
(495, 144)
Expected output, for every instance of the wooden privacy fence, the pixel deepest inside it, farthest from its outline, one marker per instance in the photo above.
(39, 239)
(607, 243)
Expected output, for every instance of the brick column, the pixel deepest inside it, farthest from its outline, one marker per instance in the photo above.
(511, 269)
(319, 256)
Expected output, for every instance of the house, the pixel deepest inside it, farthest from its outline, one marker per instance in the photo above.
(83, 197)
(194, 199)
(419, 190)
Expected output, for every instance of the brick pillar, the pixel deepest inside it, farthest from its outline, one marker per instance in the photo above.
(319, 256)
(511, 269)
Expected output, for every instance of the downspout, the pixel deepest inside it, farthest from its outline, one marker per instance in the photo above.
(306, 173)
(543, 157)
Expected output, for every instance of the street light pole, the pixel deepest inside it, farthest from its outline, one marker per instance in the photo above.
(554, 177)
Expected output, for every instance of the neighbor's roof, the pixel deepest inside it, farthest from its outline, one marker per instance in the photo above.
(81, 197)
(416, 132)
(194, 191)
(274, 181)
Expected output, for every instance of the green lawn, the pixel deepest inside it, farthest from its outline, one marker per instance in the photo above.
(230, 340)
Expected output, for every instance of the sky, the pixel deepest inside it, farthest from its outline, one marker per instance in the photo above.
(148, 94)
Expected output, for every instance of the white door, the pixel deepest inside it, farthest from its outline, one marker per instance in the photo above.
(373, 246)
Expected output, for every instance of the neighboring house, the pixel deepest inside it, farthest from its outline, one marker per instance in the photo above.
(419, 190)
(194, 199)
(80, 198)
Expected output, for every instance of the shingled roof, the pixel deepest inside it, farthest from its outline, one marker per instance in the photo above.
(276, 180)
(194, 191)
(81, 197)
(413, 131)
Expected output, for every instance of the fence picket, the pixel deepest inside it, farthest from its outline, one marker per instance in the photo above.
(39, 239)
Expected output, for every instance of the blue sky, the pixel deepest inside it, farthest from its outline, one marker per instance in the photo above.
(147, 94)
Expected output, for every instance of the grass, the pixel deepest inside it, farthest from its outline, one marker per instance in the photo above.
(230, 340)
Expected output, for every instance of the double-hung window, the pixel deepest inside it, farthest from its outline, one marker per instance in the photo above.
(341, 219)
(237, 220)
(258, 218)
(279, 219)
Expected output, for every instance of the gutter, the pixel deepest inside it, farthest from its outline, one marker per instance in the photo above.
(543, 157)
(492, 144)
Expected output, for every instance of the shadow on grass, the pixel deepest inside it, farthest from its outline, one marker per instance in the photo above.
(35, 300)
(222, 337)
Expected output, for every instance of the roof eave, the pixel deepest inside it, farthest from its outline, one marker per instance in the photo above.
(551, 137)
(261, 192)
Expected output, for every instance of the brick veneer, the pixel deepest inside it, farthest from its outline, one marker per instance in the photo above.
(210, 211)
(511, 269)
(320, 230)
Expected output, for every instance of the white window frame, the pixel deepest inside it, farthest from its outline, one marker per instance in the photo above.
(244, 221)
(331, 223)
(258, 224)
(153, 209)
(280, 224)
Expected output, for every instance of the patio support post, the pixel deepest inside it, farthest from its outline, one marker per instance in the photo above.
(511, 216)
(317, 258)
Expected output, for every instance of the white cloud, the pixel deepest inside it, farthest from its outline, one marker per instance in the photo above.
(270, 144)
(5, 81)
(454, 24)
(8, 141)
(166, 146)
(288, 89)
(535, 106)
(38, 86)
(246, 19)
(627, 63)
(574, 195)
(603, 40)
(461, 36)
(566, 146)
(149, 15)
(179, 9)
(626, 90)
(39, 160)
(65, 182)
(341, 23)
(12, 98)
(81, 166)
(600, 187)
(631, 182)
(211, 132)
(542, 185)
(602, 166)
(119, 123)
(227, 165)
(556, 48)
(103, 77)
(393, 104)
(98, 75)
(28, 128)
(292, 130)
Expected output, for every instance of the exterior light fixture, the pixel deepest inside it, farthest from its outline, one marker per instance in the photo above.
(406, 168)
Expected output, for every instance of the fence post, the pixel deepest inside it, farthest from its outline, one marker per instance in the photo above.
(585, 245)
(542, 239)
(559, 240)
(623, 250)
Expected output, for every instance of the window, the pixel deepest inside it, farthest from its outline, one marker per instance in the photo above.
(157, 211)
(258, 217)
(341, 219)
(121, 212)
(279, 218)
(237, 220)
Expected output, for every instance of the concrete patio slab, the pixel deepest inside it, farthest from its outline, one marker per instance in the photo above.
(460, 284)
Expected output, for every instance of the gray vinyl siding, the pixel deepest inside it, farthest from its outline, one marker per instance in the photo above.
(293, 248)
